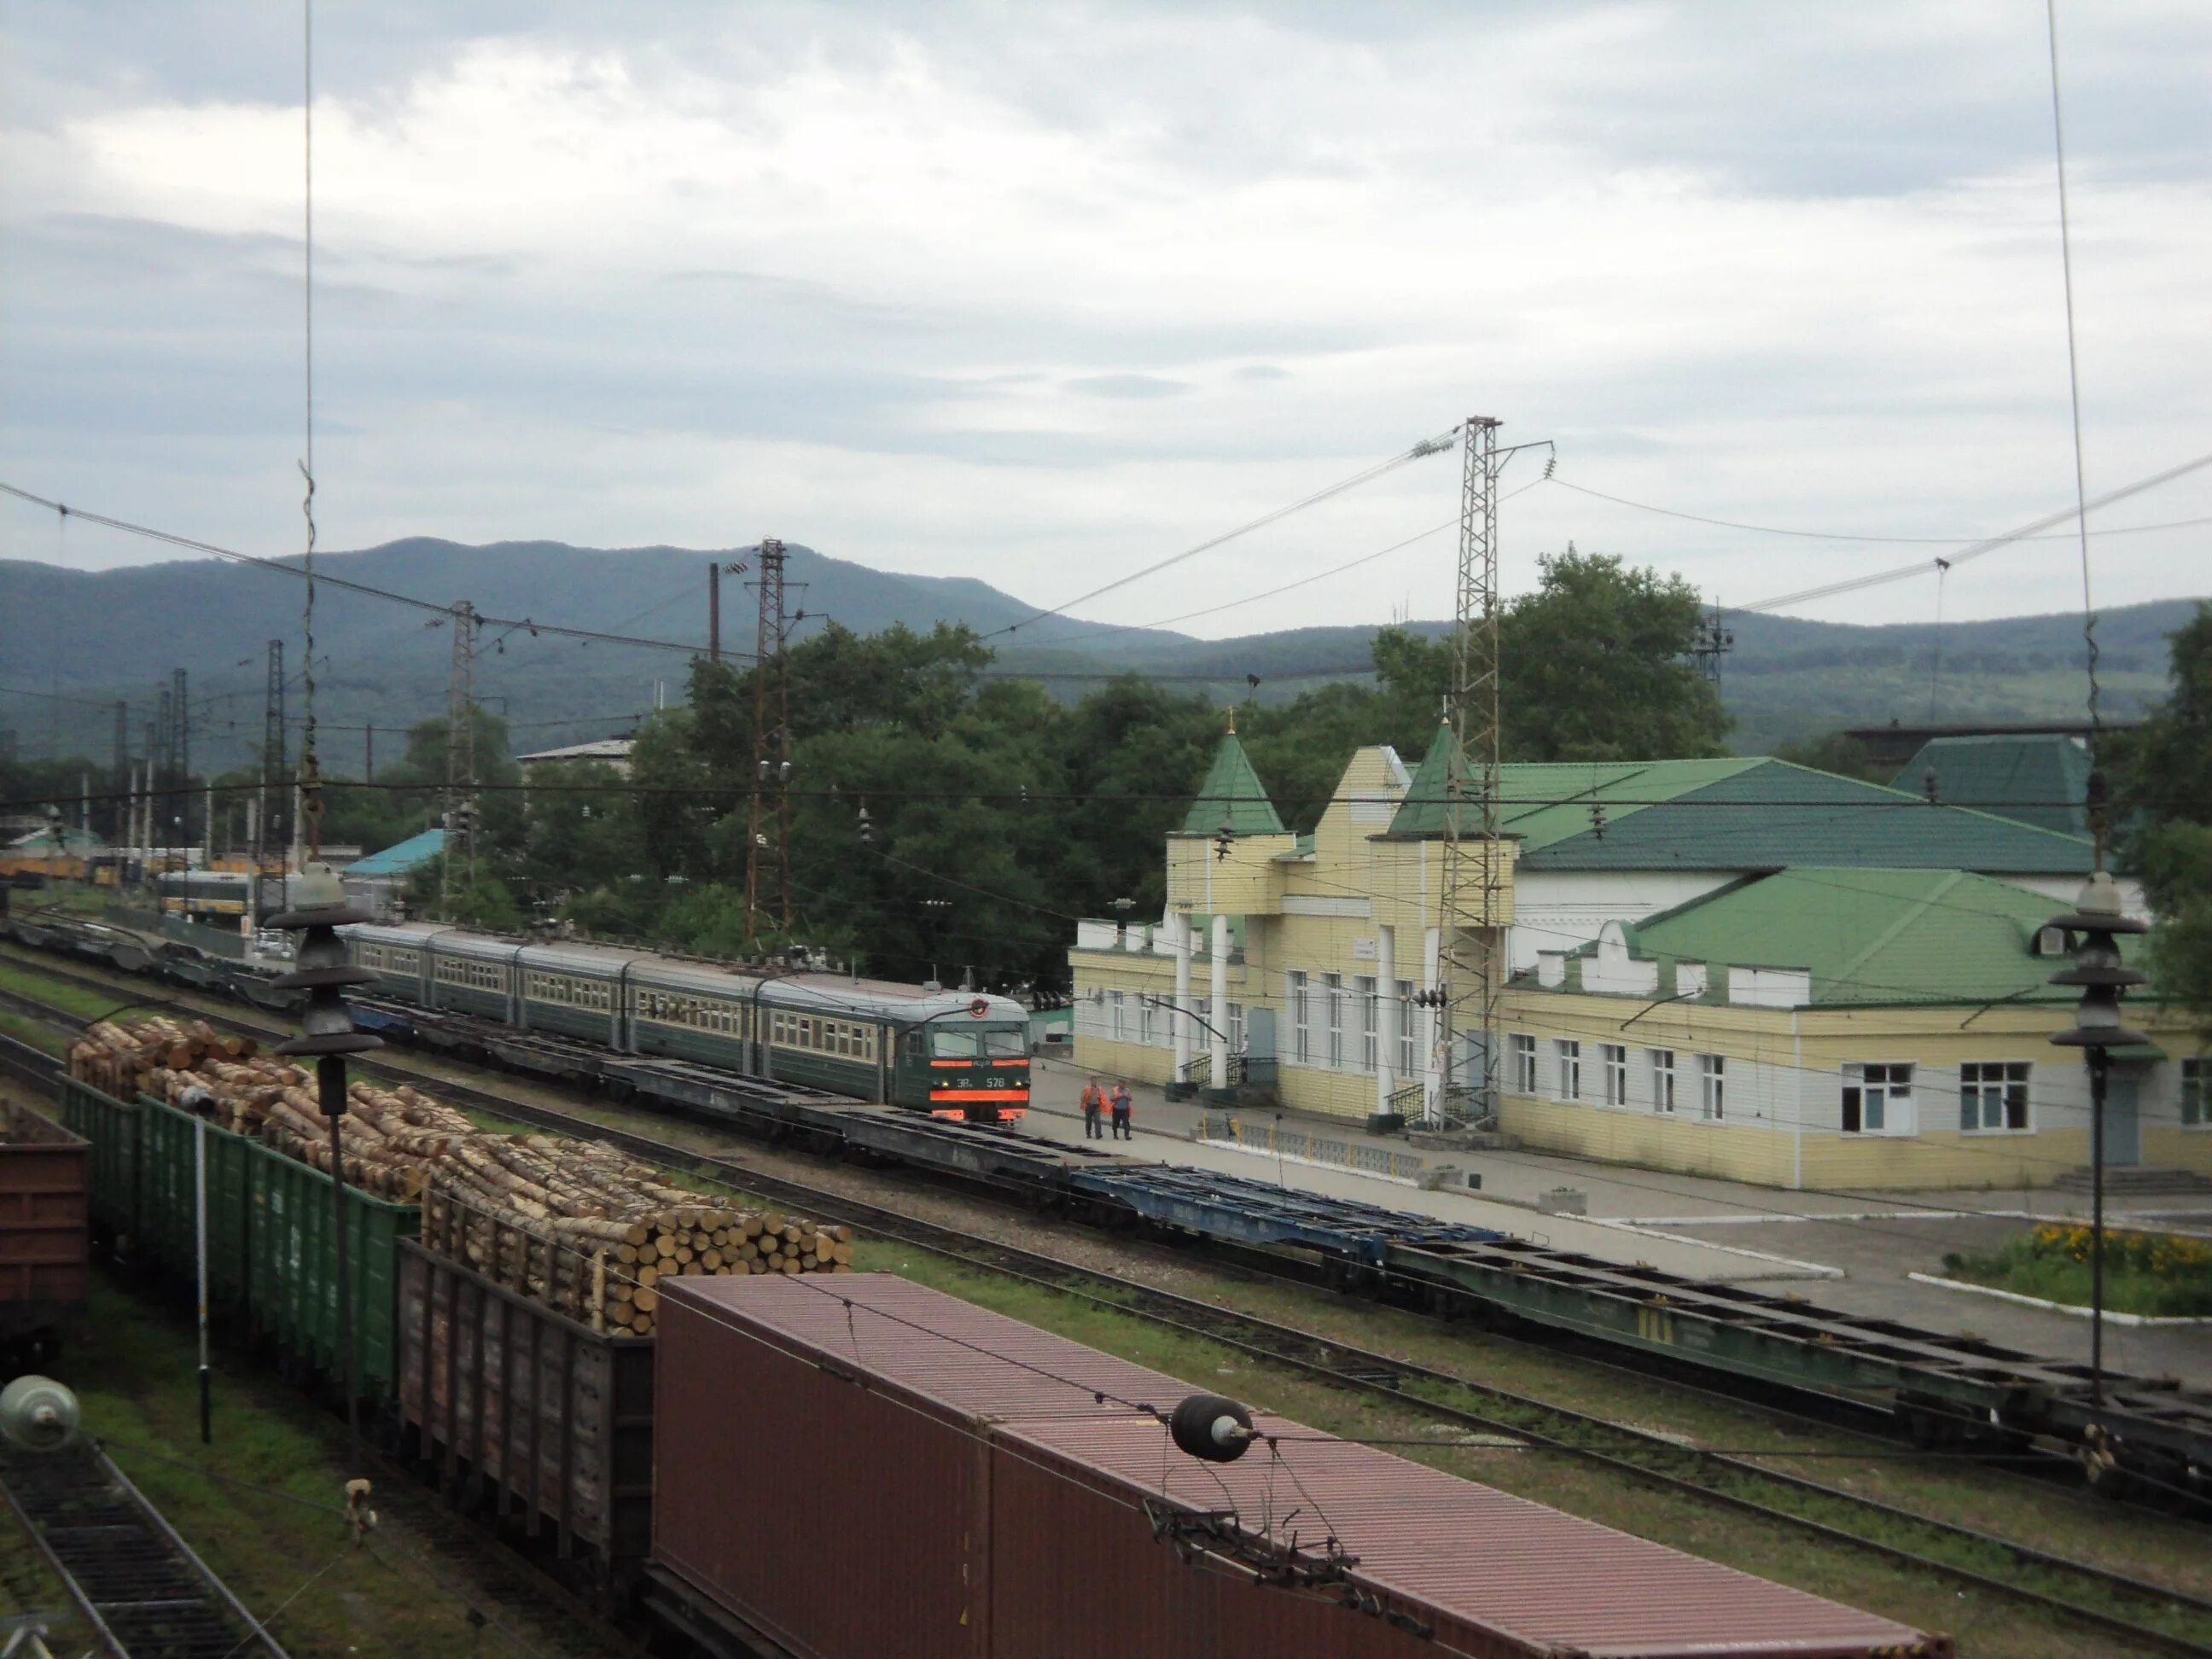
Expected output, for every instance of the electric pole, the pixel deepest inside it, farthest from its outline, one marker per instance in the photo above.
(768, 820)
(713, 611)
(180, 750)
(121, 784)
(273, 770)
(1715, 642)
(460, 756)
(1469, 945)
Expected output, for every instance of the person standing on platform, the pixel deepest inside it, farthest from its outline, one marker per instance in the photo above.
(1094, 1102)
(1121, 1129)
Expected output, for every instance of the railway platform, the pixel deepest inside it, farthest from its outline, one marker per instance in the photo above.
(1853, 1251)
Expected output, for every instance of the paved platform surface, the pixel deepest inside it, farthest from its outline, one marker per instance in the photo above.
(1849, 1251)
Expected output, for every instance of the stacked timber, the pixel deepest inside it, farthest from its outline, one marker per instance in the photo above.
(120, 1059)
(569, 1224)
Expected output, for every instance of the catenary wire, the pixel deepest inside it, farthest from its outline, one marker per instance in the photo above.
(1435, 446)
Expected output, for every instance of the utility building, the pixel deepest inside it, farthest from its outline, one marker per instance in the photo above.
(1857, 964)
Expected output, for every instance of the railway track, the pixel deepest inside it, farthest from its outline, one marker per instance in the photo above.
(138, 1585)
(2153, 1616)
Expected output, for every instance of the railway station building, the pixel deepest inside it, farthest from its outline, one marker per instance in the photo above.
(1737, 967)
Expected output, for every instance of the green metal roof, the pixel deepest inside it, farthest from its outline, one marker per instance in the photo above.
(1764, 814)
(2042, 780)
(1424, 808)
(1871, 936)
(1232, 794)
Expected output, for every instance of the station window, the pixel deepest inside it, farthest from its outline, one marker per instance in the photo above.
(1301, 1020)
(1364, 989)
(1993, 1095)
(1662, 1079)
(1119, 1004)
(1569, 1054)
(1524, 1063)
(1878, 1100)
(1613, 1058)
(1235, 1028)
(1145, 1021)
(1405, 1030)
(1712, 1075)
(2196, 1093)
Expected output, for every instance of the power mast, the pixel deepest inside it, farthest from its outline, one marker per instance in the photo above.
(121, 785)
(162, 767)
(768, 819)
(460, 812)
(1469, 946)
(275, 768)
(181, 753)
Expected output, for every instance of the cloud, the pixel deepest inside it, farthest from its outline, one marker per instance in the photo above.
(936, 292)
(1127, 386)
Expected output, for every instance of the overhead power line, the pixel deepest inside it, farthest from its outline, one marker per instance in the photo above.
(1435, 446)
(1852, 536)
(1950, 561)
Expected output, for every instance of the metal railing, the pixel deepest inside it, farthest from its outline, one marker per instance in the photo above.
(1275, 1140)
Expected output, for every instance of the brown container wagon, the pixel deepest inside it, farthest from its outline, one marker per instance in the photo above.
(44, 1236)
(861, 1466)
(529, 1414)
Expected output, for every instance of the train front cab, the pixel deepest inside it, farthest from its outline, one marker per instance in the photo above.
(973, 1070)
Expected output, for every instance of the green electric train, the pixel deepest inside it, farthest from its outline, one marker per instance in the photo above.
(952, 1054)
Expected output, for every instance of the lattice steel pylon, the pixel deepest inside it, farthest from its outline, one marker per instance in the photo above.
(1469, 945)
(460, 805)
(768, 817)
(275, 769)
(180, 752)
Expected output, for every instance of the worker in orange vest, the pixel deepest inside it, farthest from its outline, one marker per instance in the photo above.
(1094, 1103)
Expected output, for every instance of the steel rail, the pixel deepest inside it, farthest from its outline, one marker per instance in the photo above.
(195, 1615)
(1348, 1366)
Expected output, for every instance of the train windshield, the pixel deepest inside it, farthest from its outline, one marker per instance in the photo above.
(952, 1044)
(1004, 1044)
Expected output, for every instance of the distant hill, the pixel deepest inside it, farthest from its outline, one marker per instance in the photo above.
(117, 634)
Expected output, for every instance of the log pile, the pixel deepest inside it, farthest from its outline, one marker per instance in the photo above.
(391, 1136)
(120, 1060)
(569, 1224)
(576, 1224)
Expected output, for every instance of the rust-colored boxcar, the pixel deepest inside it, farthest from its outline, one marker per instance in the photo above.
(44, 1236)
(550, 1421)
(861, 1466)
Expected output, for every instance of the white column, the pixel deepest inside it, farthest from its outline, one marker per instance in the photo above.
(1219, 1037)
(1431, 1056)
(1179, 1021)
(1386, 1017)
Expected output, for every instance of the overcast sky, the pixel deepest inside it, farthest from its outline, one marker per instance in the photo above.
(1042, 294)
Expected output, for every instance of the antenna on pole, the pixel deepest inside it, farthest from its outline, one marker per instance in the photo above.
(460, 756)
(768, 819)
(1715, 640)
(1469, 946)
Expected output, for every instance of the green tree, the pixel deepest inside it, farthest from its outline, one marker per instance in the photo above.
(1595, 666)
(2163, 774)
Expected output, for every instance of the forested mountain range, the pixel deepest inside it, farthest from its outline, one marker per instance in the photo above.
(79, 641)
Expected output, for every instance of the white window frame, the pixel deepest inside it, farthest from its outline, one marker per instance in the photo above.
(1118, 1006)
(1662, 1081)
(1300, 1019)
(1712, 1087)
(2195, 1104)
(2003, 1084)
(1880, 1094)
(1613, 1066)
(1235, 1028)
(1524, 1063)
(1333, 1005)
(1567, 1066)
(1362, 988)
(1145, 1022)
(1405, 1030)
